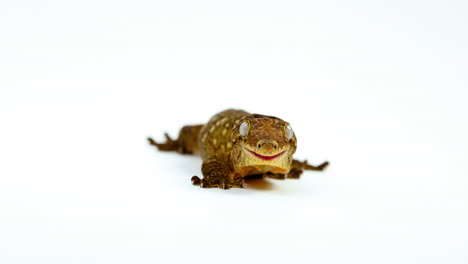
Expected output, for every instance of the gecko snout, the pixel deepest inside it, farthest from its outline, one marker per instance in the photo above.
(267, 145)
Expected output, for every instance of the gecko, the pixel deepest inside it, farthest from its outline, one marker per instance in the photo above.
(235, 145)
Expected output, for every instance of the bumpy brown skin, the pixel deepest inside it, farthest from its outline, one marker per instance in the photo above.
(229, 157)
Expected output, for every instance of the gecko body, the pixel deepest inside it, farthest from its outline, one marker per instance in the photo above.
(235, 144)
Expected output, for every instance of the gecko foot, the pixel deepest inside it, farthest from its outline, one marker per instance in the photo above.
(320, 167)
(303, 165)
(169, 145)
(222, 183)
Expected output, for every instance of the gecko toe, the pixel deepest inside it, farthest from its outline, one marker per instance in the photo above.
(196, 180)
(323, 165)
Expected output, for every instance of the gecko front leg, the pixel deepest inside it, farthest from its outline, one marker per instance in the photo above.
(215, 174)
(297, 168)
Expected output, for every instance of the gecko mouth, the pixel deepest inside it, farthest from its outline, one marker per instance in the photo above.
(263, 157)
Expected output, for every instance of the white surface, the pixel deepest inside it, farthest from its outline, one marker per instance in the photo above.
(378, 89)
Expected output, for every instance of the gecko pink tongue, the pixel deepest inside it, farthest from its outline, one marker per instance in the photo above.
(266, 157)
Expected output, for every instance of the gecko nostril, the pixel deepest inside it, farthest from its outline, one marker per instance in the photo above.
(275, 146)
(259, 146)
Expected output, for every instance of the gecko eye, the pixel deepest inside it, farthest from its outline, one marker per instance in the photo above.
(244, 128)
(288, 132)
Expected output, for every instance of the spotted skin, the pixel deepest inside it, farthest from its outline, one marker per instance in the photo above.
(229, 155)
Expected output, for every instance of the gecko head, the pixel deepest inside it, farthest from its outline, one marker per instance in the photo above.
(262, 144)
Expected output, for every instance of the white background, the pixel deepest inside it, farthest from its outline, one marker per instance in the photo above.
(377, 88)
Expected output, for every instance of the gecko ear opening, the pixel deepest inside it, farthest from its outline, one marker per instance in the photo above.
(244, 129)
